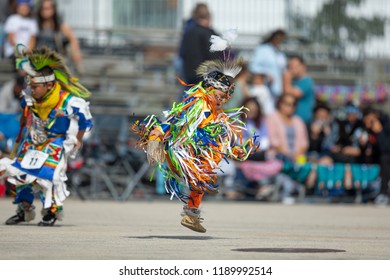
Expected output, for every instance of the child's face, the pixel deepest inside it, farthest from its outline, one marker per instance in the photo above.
(38, 90)
(219, 98)
(23, 9)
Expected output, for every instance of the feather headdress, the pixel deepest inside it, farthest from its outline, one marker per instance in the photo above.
(221, 73)
(33, 61)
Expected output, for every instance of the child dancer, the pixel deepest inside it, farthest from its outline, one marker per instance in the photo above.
(196, 135)
(55, 118)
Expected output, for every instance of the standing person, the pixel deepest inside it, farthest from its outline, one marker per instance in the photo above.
(378, 125)
(56, 117)
(55, 34)
(297, 83)
(269, 59)
(188, 24)
(20, 28)
(195, 137)
(196, 44)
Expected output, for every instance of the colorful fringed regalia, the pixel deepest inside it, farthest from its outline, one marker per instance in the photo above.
(195, 137)
(55, 117)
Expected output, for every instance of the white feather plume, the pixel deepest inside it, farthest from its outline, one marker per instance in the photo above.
(222, 43)
(217, 43)
(230, 35)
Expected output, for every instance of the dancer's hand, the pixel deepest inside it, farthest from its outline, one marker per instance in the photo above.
(239, 152)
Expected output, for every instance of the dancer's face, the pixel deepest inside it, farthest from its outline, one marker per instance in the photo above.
(219, 98)
(39, 90)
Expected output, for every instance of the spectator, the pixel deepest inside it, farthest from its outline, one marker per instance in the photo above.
(9, 112)
(258, 168)
(297, 83)
(260, 91)
(10, 94)
(345, 136)
(268, 58)
(188, 24)
(378, 125)
(20, 28)
(7, 8)
(196, 44)
(319, 143)
(287, 133)
(320, 133)
(3, 17)
(56, 34)
(288, 140)
(255, 123)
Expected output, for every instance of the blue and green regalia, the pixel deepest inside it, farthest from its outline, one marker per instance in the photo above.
(53, 127)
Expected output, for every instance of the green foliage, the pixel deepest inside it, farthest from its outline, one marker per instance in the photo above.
(334, 27)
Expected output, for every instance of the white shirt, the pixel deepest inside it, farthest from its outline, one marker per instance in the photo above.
(263, 96)
(23, 28)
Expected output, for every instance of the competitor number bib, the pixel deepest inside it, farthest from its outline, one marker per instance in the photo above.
(33, 159)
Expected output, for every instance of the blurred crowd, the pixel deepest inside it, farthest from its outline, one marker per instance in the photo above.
(34, 24)
(305, 147)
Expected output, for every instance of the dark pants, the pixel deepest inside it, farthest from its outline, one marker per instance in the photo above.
(385, 173)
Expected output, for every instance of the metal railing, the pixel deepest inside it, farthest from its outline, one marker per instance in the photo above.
(253, 18)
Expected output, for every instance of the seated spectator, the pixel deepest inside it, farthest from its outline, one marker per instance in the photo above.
(9, 95)
(320, 134)
(378, 125)
(9, 109)
(260, 91)
(287, 132)
(259, 168)
(345, 137)
(288, 140)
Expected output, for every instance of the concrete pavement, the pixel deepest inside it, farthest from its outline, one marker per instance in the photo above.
(151, 230)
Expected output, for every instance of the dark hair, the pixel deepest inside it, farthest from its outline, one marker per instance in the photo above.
(298, 57)
(259, 115)
(275, 33)
(201, 11)
(320, 106)
(56, 18)
(46, 71)
(369, 110)
(19, 80)
(281, 99)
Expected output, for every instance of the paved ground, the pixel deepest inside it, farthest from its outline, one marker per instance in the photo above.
(150, 230)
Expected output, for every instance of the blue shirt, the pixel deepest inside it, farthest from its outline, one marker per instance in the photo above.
(271, 61)
(305, 104)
